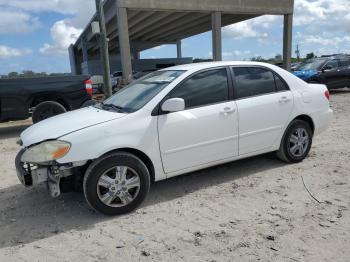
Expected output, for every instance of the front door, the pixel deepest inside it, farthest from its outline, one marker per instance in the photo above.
(264, 104)
(207, 130)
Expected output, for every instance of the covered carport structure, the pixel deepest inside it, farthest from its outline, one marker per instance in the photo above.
(137, 25)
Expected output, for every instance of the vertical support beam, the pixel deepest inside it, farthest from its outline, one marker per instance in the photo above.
(216, 36)
(84, 50)
(104, 52)
(124, 44)
(287, 41)
(73, 60)
(179, 49)
(136, 55)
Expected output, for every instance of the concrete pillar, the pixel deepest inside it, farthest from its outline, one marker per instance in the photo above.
(287, 41)
(124, 43)
(178, 49)
(84, 50)
(136, 55)
(216, 36)
(73, 60)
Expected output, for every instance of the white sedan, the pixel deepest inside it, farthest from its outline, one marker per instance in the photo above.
(169, 123)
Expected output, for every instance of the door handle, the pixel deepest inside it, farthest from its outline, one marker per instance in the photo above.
(228, 110)
(284, 99)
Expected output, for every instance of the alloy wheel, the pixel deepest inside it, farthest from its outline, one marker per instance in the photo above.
(118, 186)
(299, 141)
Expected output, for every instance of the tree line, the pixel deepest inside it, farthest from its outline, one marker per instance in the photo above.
(29, 73)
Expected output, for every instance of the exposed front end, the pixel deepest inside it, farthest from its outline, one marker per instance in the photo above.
(33, 172)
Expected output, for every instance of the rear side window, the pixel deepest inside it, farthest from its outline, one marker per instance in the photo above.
(254, 81)
(280, 84)
(345, 62)
(205, 88)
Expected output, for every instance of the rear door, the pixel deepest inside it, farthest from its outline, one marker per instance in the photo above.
(207, 130)
(345, 71)
(264, 103)
(332, 74)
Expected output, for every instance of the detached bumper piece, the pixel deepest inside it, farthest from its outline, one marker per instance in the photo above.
(32, 175)
(59, 179)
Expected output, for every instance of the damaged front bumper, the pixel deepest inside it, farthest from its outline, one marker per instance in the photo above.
(30, 174)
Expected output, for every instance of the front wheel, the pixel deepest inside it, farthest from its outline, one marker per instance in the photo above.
(296, 143)
(116, 183)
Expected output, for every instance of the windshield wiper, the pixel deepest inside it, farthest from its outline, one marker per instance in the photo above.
(111, 106)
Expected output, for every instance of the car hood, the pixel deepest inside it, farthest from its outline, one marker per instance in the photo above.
(305, 74)
(58, 126)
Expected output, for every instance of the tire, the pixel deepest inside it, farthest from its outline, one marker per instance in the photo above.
(288, 152)
(105, 190)
(46, 110)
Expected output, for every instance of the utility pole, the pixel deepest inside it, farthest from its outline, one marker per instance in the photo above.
(297, 52)
(103, 42)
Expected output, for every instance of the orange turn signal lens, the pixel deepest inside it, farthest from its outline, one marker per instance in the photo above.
(61, 152)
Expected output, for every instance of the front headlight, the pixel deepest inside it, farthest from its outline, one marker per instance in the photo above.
(46, 152)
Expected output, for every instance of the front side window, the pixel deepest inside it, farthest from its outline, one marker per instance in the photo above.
(331, 65)
(253, 81)
(204, 88)
(140, 92)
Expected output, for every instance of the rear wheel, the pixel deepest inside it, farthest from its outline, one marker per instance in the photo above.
(116, 184)
(46, 110)
(296, 143)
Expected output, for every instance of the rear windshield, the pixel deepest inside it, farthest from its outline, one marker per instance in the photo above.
(141, 91)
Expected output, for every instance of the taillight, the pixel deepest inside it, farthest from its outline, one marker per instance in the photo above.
(88, 86)
(327, 94)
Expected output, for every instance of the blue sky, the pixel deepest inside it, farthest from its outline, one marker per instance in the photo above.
(35, 34)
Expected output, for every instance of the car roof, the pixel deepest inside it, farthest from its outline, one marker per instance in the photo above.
(206, 65)
(324, 58)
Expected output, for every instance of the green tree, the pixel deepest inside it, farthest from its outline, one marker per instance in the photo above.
(310, 56)
(13, 75)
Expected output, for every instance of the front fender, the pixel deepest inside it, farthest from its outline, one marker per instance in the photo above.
(139, 133)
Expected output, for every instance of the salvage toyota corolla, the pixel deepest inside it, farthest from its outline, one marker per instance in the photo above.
(169, 123)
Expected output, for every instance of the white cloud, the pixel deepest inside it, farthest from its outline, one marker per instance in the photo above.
(67, 31)
(323, 26)
(21, 16)
(57, 6)
(17, 22)
(254, 28)
(233, 55)
(322, 40)
(323, 14)
(82, 10)
(6, 51)
(63, 34)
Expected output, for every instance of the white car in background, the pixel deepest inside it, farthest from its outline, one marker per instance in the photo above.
(171, 122)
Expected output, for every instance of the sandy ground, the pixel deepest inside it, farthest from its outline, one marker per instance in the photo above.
(252, 210)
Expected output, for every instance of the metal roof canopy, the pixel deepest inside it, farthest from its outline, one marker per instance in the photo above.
(150, 23)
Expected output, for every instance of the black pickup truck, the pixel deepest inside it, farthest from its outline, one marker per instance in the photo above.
(42, 97)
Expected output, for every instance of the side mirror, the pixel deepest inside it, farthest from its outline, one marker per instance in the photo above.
(173, 105)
